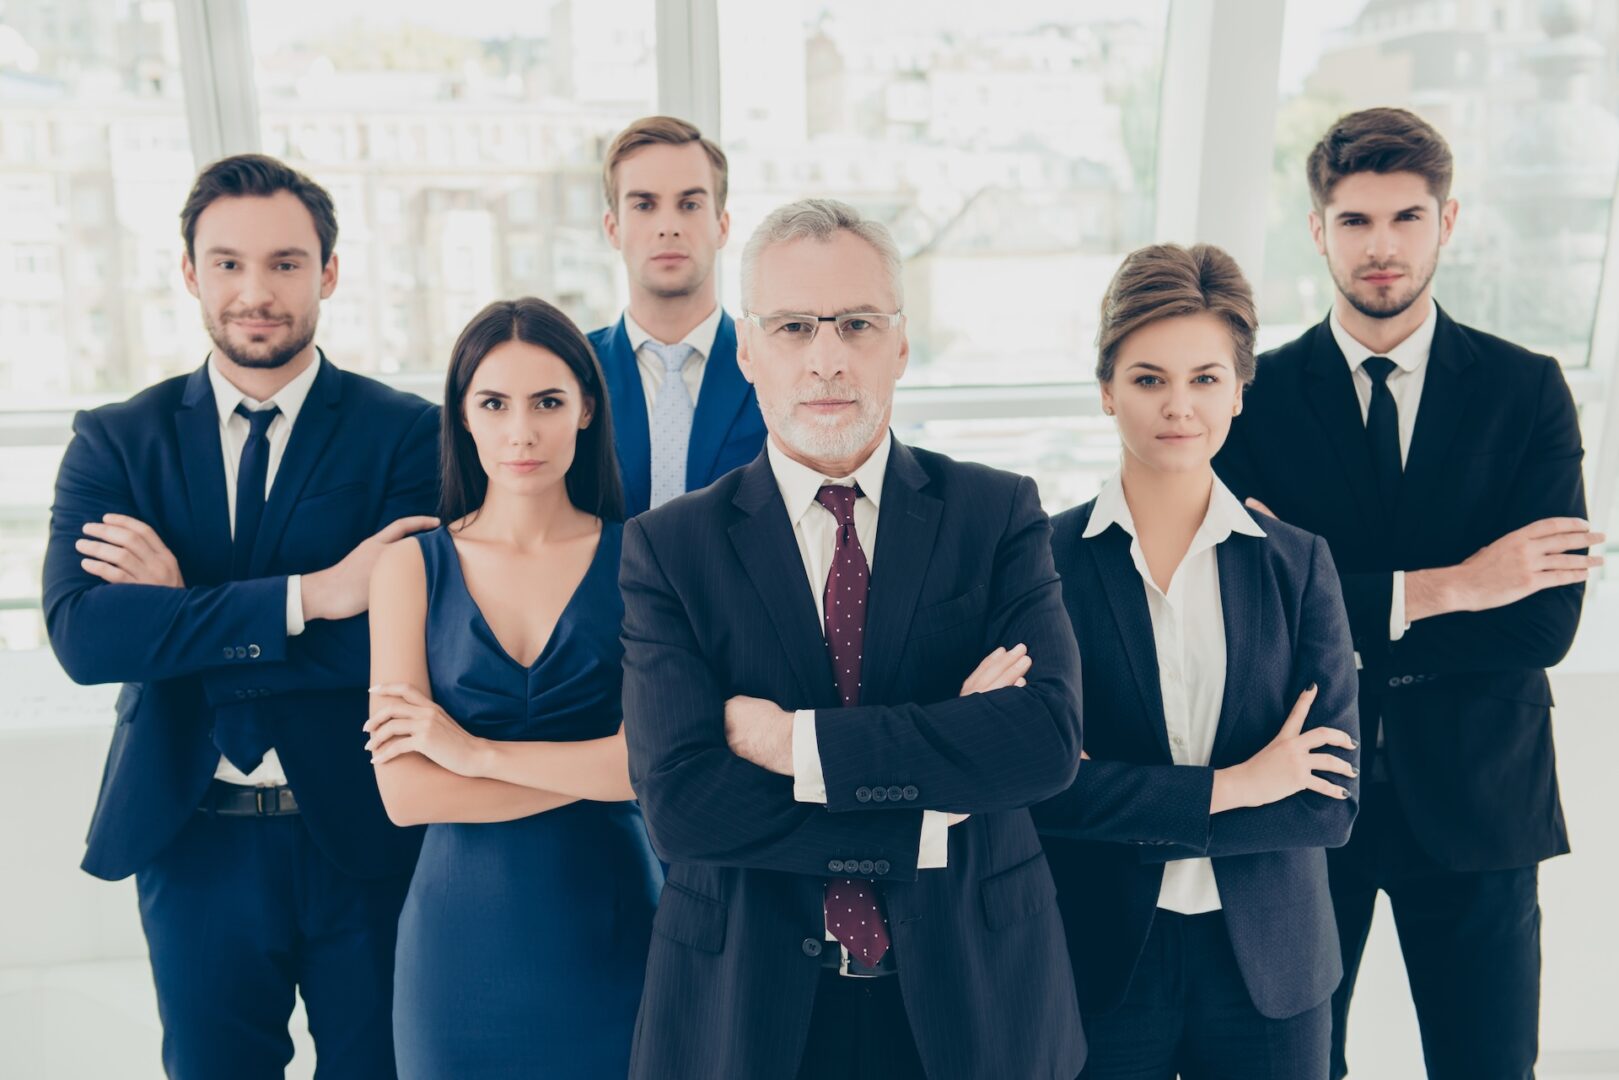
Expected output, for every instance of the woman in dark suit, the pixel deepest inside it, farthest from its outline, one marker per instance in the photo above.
(1220, 731)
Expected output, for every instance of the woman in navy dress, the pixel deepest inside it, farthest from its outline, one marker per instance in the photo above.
(496, 663)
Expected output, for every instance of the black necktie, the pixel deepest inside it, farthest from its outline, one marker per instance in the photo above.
(1383, 431)
(250, 477)
(240, 732)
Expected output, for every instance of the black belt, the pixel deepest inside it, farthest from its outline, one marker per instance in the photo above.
(237, 800)
(833, 957)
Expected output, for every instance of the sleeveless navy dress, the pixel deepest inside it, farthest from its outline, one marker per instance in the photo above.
(522, 944)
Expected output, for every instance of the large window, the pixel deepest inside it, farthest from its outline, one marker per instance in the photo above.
(462, 144)
(96, 163)
(1010, 147)
(1526, 93)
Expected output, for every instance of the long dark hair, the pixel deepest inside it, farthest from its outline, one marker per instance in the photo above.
(592, 480)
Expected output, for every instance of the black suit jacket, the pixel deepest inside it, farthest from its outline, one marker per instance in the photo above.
(1132, 808)
(1465, 704)
(360, 455)
(716, 604)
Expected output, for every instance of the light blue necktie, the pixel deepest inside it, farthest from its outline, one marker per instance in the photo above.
(671, 423)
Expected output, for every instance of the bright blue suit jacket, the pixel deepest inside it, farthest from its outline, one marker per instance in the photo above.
(727, 430)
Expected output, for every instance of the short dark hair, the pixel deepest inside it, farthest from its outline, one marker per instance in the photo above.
(669, 131)
(1381, 141)
(1165, 281)
(592, 480)
(258, 175)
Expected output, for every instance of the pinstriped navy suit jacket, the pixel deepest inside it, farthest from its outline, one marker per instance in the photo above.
(1132, 808)
(716, 604)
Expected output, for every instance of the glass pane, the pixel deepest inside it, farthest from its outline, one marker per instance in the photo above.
(1010, 147)
(1527, 95)
(462, 144)
(94, 166)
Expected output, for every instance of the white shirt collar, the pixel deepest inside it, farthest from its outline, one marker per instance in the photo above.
(1408, 355)
(290, 398)
(799, 484)
(701, 337)
(1225, 515)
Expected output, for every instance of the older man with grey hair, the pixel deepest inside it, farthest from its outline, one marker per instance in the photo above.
(847, 672)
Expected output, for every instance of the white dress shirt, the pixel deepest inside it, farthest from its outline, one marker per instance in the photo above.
(1188, 630)
(233, 430)
(701, 339)
(816, 531)
(1405, 386)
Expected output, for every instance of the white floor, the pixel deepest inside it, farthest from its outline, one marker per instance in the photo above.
(76, 999)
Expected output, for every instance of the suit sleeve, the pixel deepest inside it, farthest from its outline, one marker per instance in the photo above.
(1323, 655)
(103, 632)
(1001, 750)
(1537, 631)
(335, 654)
(702, 803)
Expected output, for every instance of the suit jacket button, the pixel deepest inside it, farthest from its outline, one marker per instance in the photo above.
(896, 793)
(1394, 681)
(811, 947)
(253, 651)
(910, 793)
(835, 866)
(240, 652)
(879, 794)
(240, 694)
(881, 866)
(229, 652)
(1405, 680)
(867, 866)
(862, 794)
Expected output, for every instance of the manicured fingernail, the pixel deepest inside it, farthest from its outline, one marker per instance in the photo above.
(1343, 793)
(1312, 688)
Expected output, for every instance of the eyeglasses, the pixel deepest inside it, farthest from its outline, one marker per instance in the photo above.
(859, 329)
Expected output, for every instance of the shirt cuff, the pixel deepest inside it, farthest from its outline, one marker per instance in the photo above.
(295, 605)
(809, 783)
(934, 852)
(1397, 624)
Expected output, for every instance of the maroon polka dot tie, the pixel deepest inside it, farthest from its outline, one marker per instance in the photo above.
(853, 913)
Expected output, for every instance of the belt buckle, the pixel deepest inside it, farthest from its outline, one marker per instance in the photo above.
(267, 807)
(843, 965)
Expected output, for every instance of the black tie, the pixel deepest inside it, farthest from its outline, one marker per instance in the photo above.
(240, 733)
(1383, 431)
(250, 476)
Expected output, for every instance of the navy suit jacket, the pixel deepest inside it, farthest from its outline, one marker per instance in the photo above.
(727, 430)
(1132, 808)
(1464, 700)
(360, 455)
(717, 604)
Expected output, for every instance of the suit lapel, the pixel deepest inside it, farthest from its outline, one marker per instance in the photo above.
(310, 434)
(720, 398)
(1238, 558)
(764, 542)
(1127, 596)
(907, 523)
(196, 425)
(1330, 392)
(1446, 397)
(631, 437)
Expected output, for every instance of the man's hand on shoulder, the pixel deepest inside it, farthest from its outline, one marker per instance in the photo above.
(761, 732)
(127, 551)
(342, 591)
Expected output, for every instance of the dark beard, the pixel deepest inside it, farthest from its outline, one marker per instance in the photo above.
(303, 334)
(1387, 309)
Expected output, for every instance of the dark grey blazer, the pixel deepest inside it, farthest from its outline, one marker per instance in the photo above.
(1131, 808)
